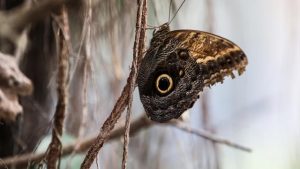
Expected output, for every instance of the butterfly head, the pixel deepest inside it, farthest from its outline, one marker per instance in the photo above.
(159, 34)
(163, 29)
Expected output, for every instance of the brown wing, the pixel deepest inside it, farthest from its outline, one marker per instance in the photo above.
(218, 55)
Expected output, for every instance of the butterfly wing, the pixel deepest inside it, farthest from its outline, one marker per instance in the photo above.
(192, 60)
(218, 56)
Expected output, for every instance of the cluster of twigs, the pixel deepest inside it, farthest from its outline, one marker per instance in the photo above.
(126, 96)
(136, 126)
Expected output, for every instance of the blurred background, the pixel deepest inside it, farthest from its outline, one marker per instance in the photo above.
(260, 109)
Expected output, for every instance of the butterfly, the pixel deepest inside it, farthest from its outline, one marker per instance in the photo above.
(179, 64)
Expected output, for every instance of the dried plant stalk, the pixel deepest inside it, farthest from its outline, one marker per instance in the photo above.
(123, 100)
(207, 135)
(22, 160)
(141, 47)
(54, 149)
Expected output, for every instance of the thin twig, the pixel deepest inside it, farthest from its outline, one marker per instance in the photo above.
(55, 146)
(207, 135)
(21, 160)
(126, 135)
(136, 126)
(142, 38)
(123, 100)
(141, 46)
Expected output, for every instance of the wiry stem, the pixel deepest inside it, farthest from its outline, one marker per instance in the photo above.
(124, 99)
(54, 149)
(207, 135)
(136, 126)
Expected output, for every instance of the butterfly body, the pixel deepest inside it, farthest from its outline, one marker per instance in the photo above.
(179, 64)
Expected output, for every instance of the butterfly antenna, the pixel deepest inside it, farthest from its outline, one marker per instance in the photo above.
(171, 1)
(177, 11)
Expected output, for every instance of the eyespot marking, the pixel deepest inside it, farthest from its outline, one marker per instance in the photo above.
(164, 83)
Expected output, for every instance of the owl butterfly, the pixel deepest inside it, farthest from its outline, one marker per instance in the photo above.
(179, 64)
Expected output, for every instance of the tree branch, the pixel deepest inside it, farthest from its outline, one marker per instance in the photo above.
(140, 50)
(136, 126)
(207, 135)
(55, 146)
(21, 160)
(123, 100)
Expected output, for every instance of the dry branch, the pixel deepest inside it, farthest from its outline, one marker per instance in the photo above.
(21, 160)
(123, 100)
(126, 134)
(140, 48)
(207, 135)
(136, 126)
(55, 145)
